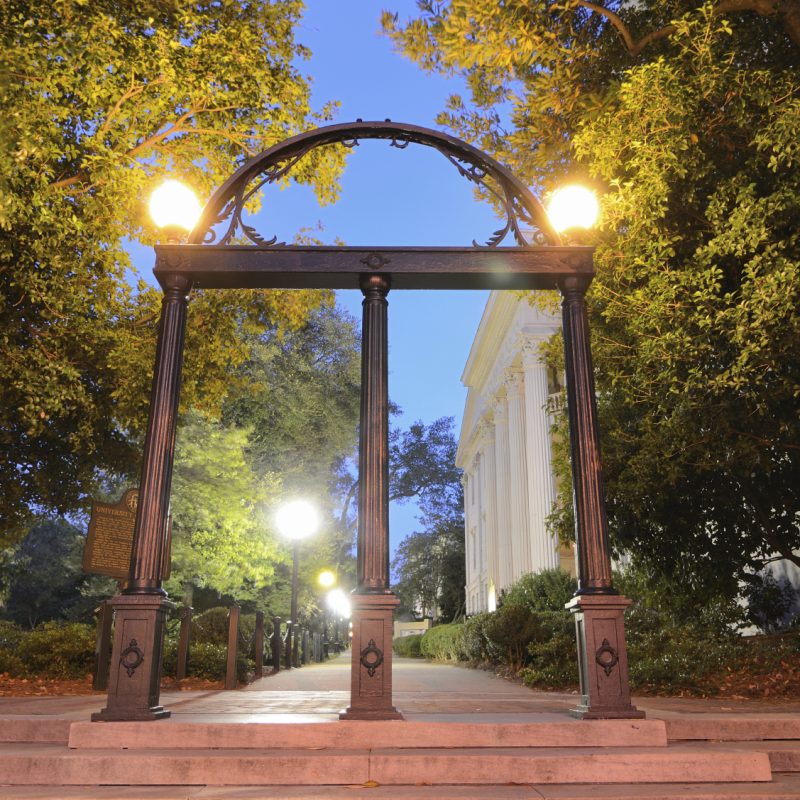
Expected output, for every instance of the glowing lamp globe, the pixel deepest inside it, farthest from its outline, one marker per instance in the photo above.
(297, 519)
(339, 603)
(326, 578)
(174, 205)
(573, 207)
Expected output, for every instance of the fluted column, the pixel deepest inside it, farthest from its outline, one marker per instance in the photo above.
(598, 609)
(503, 496)
(140, 611)
(538, 455)
(518, 477)
(594, 553)
(489, 512)
(373, 456)
(373, 603)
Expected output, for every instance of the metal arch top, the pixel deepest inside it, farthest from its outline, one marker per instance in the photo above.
(226, 206)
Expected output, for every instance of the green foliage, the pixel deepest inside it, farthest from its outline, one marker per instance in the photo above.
(443, 642)
(408, 646)
(209, 661)
(686, 115)
(548, 590)
(477, 647)
(44, 577)
(429, 565)
(101, 102)
(219, 536)
(55, 650)
(552, 659)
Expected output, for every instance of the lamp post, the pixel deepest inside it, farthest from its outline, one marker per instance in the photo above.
(296, 521)
(597, 607)
(326, 580)
(141, 608)
(339, 604)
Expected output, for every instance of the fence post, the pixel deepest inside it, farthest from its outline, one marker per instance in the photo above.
(183, 642)
(276, 644)
(288, 644)
(233, 644)
(305, 646)
(102, 646)
(259, 672)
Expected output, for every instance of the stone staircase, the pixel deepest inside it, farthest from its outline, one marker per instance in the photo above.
(701, 758)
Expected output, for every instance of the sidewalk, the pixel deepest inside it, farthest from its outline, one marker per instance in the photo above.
(422, 691)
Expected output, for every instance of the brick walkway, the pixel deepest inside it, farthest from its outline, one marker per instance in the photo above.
(443, 692)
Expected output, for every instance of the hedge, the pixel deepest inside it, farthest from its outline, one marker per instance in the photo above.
(408, 646)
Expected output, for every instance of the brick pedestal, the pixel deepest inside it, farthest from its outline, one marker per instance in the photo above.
(134, 680)
(602, 657)
(371, 686)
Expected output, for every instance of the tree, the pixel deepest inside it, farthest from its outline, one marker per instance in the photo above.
(102, 100)
(288, 424)
(687, 115)
(429, 566)
(44, 578)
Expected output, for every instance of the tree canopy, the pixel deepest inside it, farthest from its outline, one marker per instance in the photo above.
(100, 101)
(686, 116)
(429, 566)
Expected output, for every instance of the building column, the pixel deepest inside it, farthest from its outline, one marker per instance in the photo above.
(518, 477)
(491, 532)
(373, 603)
(598, 608)
(538, 453)
(503, 496)
(141, 609)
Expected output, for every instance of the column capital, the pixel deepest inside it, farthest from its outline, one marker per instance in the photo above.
(574, 287)
(512, 381)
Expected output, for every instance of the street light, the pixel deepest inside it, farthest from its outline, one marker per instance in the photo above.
(339, 604)
(174, 208)
(296, 520)
(573, 206)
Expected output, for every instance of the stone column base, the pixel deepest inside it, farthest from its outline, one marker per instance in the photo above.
(135, 673)
(371, 675)
(602, 657)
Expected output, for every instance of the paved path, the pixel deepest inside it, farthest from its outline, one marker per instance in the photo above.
(317, 692)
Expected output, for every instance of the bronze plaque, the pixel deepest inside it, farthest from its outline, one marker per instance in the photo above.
(110, 540)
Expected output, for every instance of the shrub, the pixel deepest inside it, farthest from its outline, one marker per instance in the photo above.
(408, 646)
(10, 635)
(210, 660)
(444, 642)
(552, 661)
(509, 632)
(549, 590)
(12, 664)
(211, 627)
(477, 647)
(59, 651)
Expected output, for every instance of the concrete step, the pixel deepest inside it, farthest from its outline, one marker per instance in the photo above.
(34, 729)
(783, 756)
(30, 764)
(784, 787)
(729, 728)
(356, 735)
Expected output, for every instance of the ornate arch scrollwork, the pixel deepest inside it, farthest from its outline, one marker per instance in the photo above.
(523, 212)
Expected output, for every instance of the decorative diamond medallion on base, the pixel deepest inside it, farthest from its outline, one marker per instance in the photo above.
(602, 657)
(371, 675)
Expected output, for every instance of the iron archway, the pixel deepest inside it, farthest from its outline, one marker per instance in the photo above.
(211, 260)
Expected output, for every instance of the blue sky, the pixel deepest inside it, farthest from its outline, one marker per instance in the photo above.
(389, 197)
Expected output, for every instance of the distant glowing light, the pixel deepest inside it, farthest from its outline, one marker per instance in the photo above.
(174, 205)
(339, 603)
(326, 578)
(573, 207)
(297, 520)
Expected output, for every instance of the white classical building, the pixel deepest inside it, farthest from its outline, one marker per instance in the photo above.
(505, 450)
